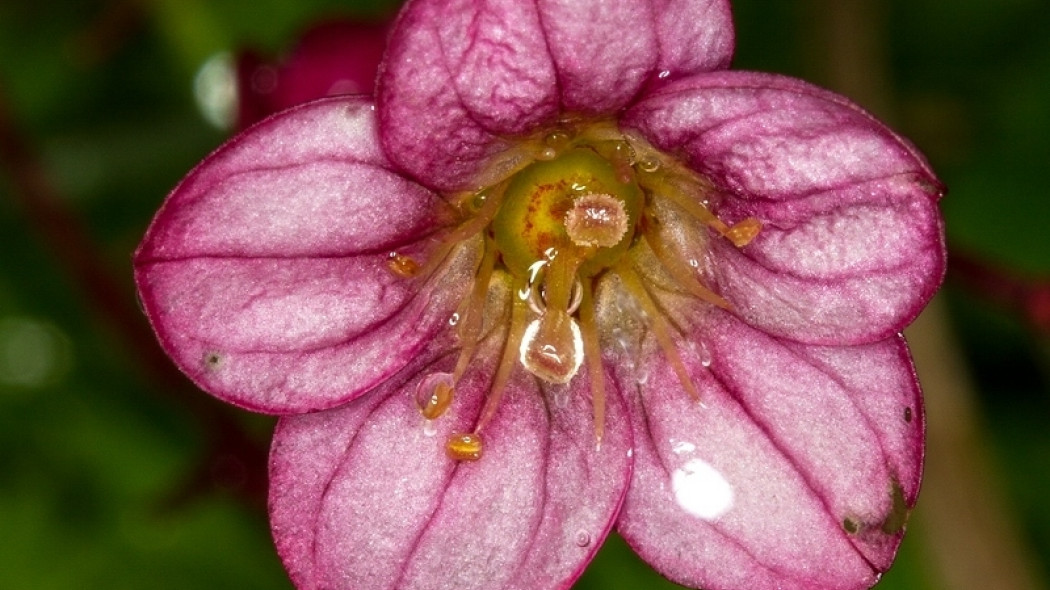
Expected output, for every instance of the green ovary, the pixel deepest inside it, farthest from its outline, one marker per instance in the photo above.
(531, 225)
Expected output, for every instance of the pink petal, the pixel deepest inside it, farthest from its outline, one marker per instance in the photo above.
(694, 36)
(457, 76)
(603, 52)
(381, 506)
(852, 244)
(462, 76)
(774, 137)
(795, 471)
(856, 272)
(265, 273)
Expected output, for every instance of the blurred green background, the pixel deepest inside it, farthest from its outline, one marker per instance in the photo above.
(115, 473)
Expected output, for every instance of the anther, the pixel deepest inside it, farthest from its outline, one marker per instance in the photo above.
(402, 266)
(742, 232)
(464, 446)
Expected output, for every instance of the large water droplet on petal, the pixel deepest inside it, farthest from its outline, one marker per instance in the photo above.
(552, 347)
(701, 490)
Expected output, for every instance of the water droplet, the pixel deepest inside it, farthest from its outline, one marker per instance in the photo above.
(452, 321)
(559, 395)
(681, 447)
(907, 414)
(583, 539)
(702, 490)
(552, 347)
(705, 355)
(547, 154)
(642, 376)
(557, 139)
(693, 262)
(464, 446)
(434, 394)
(649, 164)
(664, 74)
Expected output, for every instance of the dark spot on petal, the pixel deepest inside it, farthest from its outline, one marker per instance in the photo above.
(898, 516)
(907, 414)
(850, 526)
(212, 360)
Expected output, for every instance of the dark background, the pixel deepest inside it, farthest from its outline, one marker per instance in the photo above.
(116, 474)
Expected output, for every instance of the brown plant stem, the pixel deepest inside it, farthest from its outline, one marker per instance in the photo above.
(232, 449)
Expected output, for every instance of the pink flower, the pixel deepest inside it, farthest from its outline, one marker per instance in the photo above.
(567, 273)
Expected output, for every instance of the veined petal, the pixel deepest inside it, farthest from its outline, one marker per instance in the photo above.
(457, 76)
(603, 52)
(852, 272)
(767, 136)
(265, 273)
(794, 471)
(381, 506)
(852, 245)
(461, 76)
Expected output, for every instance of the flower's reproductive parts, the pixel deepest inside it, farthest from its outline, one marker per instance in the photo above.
(593, 209)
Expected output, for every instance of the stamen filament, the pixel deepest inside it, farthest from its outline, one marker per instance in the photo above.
(593, 355)
(492, 198)
(474, 311)
(634, 285)
(740, 233)
(507, 362)
(682, 273)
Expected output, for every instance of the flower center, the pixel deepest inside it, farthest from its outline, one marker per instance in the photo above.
(592, 205)
(562, 220)
(575, 206)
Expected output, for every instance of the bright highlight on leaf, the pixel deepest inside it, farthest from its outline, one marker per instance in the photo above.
(565, 273)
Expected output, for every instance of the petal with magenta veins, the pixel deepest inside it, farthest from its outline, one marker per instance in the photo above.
(851, 246)
(265, 273)
(461, 76)
(794, 471)
(457, 76)
(849, 266)
(763, 136)
(383, 507)
(603, 52)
